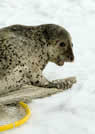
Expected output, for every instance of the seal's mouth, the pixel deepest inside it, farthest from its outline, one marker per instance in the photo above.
(61, 63)
(61, 60)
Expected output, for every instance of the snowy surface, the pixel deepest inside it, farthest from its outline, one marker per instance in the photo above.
(73, 111)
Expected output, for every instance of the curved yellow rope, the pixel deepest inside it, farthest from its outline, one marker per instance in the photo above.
(19, 122)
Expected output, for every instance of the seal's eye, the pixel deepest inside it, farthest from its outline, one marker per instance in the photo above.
(62, 44)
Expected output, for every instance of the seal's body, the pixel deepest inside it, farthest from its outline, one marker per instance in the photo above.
(26, 50)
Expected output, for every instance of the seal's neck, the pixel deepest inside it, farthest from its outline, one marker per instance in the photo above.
(44, 59)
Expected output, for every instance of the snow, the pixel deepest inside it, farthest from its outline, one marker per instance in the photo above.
(72, 111)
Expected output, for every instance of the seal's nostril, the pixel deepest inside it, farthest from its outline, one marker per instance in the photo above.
(72, 58)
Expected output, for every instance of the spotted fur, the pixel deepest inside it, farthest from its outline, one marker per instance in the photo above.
(26, 50)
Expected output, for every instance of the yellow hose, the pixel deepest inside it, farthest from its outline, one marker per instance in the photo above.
(19, 122)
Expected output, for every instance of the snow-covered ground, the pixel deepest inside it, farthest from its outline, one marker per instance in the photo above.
(73, 111)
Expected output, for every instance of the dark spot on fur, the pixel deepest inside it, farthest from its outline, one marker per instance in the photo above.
(37, 76)
(33, 63)
(37, 82)
(20, 71)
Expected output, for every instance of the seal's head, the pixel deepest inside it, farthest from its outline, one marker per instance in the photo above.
(59, 44)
